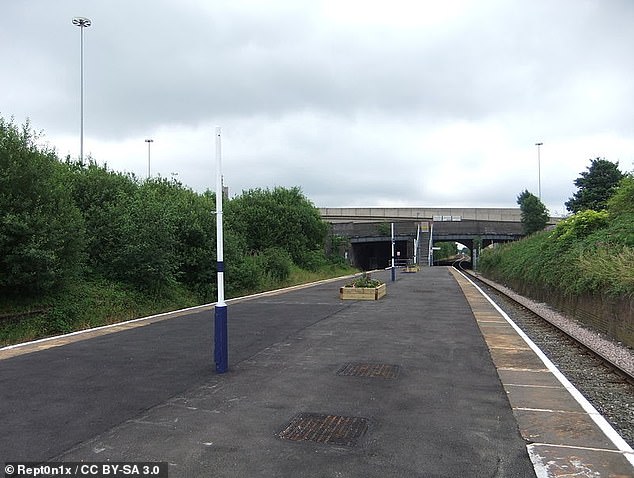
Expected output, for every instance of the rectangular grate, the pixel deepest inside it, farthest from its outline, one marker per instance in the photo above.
(329, 429)
(381, 370)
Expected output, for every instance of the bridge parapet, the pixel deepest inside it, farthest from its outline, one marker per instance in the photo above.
(334, 214)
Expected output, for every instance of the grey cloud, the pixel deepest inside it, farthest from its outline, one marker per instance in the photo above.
(303, 98)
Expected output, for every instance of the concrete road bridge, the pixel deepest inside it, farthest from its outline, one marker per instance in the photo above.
(360, 214)
(367, 231)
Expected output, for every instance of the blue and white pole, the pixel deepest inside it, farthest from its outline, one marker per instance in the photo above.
(393, 265)
(220, 310)
(430, 250)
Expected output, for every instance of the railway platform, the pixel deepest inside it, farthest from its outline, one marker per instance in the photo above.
(430, 381)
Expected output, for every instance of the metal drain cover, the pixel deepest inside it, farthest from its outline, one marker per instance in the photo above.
(329, 429)
(381, 370)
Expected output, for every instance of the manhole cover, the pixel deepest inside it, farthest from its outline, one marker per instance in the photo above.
(381, 370)
(329, 429)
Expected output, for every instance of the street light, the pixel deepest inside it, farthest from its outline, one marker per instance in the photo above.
(82, 23)
(221, 355)
(539, 172)
(149, 142)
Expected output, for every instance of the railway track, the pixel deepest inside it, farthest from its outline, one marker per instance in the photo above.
(22, 315)
(611, 362)
(604, 380)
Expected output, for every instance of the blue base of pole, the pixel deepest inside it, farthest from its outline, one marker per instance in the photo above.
(393, 273)
(220, 339)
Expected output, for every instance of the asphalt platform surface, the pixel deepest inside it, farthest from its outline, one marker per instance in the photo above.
(295, 402)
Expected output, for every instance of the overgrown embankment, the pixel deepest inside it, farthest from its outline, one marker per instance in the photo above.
(95, 301)
(584, 267)
(81, 245)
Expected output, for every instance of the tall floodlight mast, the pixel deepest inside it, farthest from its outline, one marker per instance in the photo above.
(82, 23)
(149, 142)
(539, 171)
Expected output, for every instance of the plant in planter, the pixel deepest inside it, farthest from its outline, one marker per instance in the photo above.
(363, 288)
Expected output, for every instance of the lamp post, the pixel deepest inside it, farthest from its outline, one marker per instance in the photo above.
(220, 310)
(539, 172)
(393, 273)
(149, 142)
(82, 23)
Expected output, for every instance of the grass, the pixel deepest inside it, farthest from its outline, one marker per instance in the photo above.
(610, 268)
(94, 303)
(301, 276)
(572, 259)
(85, 305)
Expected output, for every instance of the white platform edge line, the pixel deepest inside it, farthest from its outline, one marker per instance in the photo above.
(601, 422)
(188, 309)
(574, 447)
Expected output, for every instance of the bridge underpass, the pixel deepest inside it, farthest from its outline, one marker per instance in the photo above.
(369, 241)
(470, 232)
(376, 253)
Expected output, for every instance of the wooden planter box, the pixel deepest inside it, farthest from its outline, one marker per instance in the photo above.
(411, 269)
(362, 293)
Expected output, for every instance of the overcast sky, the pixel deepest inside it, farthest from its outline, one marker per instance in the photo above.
(358, 102)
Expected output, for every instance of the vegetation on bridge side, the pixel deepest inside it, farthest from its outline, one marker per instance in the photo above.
(82, 246)
(590, 252)
(445, 251)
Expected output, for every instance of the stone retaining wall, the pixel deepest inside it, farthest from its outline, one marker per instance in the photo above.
(613, 317)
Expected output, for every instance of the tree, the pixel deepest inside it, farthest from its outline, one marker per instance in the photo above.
(279, 218)
(534, 213)
(595, 186)
(102, 196)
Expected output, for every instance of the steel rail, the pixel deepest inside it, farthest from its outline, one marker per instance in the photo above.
(627, 375)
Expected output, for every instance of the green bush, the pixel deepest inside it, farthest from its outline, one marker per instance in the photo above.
(72, 229)
(42, 240)
(277, 263)
(103, 197)
(281, 218)
(195, 232)
(243, 271)
(311, 260)
(147, 256)
(590, 252)
(581, 224)
(610, 268)
(622, 201)
(241, 275)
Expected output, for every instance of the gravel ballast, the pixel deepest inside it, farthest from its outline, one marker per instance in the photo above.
(606, 389)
